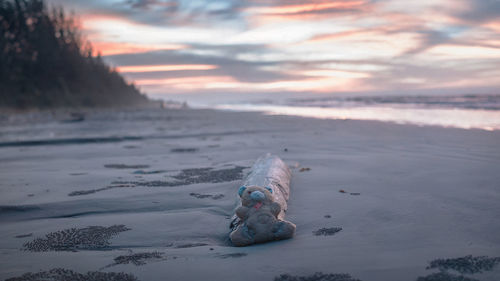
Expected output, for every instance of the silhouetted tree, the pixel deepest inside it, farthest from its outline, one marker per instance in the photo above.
(45, 62)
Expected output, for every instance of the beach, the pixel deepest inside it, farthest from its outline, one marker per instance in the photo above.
(149, 195)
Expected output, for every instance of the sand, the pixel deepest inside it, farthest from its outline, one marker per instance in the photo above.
(142, 195)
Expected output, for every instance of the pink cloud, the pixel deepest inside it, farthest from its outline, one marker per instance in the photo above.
(154, 68)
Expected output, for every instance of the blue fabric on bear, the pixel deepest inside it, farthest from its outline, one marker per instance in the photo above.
(241, 189)
(257, 195)
(270, 189)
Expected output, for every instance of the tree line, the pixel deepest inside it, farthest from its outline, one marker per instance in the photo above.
(45, 62)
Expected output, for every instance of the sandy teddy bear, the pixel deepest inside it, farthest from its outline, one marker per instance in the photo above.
(259, 213)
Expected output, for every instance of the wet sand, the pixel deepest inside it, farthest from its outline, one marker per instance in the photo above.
(149, 195)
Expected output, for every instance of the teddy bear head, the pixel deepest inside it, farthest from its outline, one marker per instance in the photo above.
(251, 195)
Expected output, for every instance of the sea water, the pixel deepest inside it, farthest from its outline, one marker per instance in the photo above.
(466, 112)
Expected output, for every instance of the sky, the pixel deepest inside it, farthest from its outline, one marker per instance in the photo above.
(179, 47)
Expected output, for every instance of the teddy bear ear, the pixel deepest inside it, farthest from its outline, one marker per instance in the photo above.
(270, 189)
(241, 190)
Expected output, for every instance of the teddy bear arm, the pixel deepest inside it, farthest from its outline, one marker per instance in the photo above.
(275, 208)
(242, 212)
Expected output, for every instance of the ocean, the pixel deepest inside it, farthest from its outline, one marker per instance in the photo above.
(465, 111)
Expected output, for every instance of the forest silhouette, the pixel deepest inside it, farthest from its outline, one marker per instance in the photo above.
(45, 62)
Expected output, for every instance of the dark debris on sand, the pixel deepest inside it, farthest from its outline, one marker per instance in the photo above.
(444, 276)
(78, 174)
(203, 196)
(61, 274)
(74, 239)
(86, 192)
(183, 150)
(124, 166)
(232, 255)
(467, 264)
(24, 235)
(131, 146)
(318, 276)
(327, 231)
(138, 258)
(184, 177)
(7, 210)
(90, 191)
(194, 176)
(464, 265)
(142, 172)
(209, 175)
(190, 245)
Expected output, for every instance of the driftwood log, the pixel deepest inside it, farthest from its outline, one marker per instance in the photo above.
(262, 204)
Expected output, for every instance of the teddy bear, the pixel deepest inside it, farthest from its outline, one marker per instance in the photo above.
(259, 218)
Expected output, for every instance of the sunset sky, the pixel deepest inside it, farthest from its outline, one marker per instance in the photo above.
(180, 47)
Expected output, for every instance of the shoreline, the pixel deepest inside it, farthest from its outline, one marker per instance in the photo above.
(441, 117)
(397, 115)
(59, 115)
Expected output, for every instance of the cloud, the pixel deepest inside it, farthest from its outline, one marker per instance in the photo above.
(446, 74)
(221, 58)
(179, 12)
(480, 11)
(428, 39)
(114, 48)
(296, 45)
(319, 7)
(147, 4)
(164, 68)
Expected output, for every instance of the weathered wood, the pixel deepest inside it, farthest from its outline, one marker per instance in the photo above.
(269, 170)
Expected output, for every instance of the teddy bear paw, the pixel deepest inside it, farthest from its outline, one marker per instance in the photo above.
(283, 230)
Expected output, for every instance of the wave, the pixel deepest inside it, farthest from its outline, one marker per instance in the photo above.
(484, 102)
